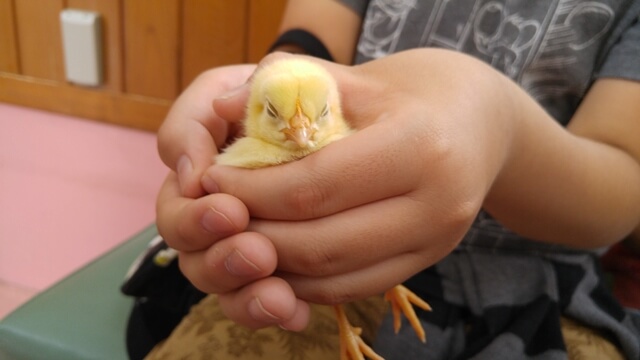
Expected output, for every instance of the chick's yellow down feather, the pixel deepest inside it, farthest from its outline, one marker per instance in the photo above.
(293, 110)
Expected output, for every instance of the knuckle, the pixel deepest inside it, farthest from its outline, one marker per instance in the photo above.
(182, 238)
(332, 294)
(317, 260)
(171, 233)
(161, 225)
(441, 148)
(181, 234)
(460, 216)
(188, 269)
(201, 272)
(307, 198)
(166, 137)
(466, 211)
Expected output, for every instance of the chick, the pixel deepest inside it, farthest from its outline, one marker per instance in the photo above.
(294, 110)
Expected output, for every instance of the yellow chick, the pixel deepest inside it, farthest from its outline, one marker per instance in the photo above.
(294, 110)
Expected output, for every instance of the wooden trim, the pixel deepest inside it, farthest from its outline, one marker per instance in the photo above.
(116, 108)
(152, 50)
(8, 41)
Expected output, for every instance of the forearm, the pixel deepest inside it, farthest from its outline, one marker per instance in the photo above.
(560, 187)
(576, 186)
(339, 35)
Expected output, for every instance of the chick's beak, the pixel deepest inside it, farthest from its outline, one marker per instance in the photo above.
(299, 129)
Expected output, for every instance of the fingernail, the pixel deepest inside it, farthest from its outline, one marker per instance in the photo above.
(238, 264)
(217, 223)
(233, 92)
(185, 169)
(209, 184)
(259, 313)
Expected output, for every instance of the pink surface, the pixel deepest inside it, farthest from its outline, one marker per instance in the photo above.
(70, 189)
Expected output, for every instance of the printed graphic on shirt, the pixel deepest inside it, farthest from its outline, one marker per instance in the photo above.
(532, 42)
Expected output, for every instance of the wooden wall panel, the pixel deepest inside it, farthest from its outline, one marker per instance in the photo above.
(8, 43)
(264, 20)
(213, 33)
(152, 50)
(111, 13)
(39, 38)
(151, 47)
(117, 108)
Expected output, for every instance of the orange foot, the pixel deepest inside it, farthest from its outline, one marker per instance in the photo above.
(352, 347)
(401, 298)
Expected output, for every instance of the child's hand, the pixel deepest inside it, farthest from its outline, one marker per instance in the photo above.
(192, 132)
(440, 135)
(366, 212)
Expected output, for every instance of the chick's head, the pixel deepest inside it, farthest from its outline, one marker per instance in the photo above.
(295, 104)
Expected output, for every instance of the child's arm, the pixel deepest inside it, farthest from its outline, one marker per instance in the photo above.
(331, 22)
(581, 187)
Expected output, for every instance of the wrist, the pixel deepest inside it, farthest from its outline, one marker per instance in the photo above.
(300, 41)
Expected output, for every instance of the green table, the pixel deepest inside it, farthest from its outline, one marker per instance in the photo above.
(83, 316)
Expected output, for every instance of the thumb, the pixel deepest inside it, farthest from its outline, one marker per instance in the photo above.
(231, 106)
(194, 157)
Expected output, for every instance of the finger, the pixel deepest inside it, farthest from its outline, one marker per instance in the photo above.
(230, 263)
(266, 302)
(300, 318)
(231, 106)
(185, 143)
(194, 224)
(337, 244)
(341, 243)
(353, 171)
(192, 158)
(187, 138)
(344, 288)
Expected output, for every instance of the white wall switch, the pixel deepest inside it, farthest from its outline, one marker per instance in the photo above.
(82, 43)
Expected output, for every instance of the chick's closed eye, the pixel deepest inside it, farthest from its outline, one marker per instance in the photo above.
(271, 110)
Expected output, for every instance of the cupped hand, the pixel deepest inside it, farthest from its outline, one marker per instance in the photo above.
(367, 212)
(191, 220)
(192, 132)
(188, 140)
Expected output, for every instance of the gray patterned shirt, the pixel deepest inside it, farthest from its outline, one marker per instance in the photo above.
(553, 48)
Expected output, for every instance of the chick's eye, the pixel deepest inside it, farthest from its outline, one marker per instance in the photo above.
(271, 110)
(325, 111)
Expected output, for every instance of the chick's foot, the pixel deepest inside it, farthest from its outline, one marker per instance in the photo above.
(401, 299)
(352, 347)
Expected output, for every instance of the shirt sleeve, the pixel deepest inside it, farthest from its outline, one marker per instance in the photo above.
(623, 60)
